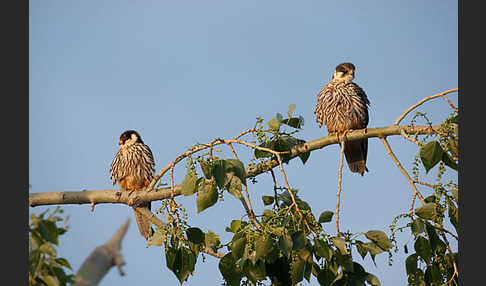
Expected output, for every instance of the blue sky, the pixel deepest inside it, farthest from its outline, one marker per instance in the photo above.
(183, 72)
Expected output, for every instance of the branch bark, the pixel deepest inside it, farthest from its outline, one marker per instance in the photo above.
(140, 197)
(100, 261)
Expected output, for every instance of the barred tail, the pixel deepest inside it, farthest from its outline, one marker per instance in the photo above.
(144, 223)
(356, 152)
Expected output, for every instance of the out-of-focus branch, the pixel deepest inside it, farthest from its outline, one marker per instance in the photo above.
(100, 261)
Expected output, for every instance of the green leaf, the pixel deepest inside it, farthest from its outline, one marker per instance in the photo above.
(274, 124)
(433, 237)
(297, 268)
(325, 277)
(206, 168)
(426, 211)
(455, 193)
(455, 119)
(195, 235)
(322, 249)
(48, 249)
(291, 109)
(422, 247)
(446, 158)
(237, 168)
(235, 225)
(238, 247)
(211, 239)
(453, 146)
(346, 261)
(264, 154)
(432, 275)
(380, 238)
(219, 173)
(304, 156)
(268, 200)
(326, 216)
(285, 244)
(63, 262)
(372, 279)
(48, 231)
(234, 187)
(299, 240)
(453, 214)
(157, 239)
(373, 249)
(49, 280)
(279, 271)
(61, 276)
(411, 264)
(263, 246)
(188, 263)
(340, 243)
(181, 262)
(431, 154)
(418, 226)
(228, 269)
(207, 196)
(256, 272)
(188, 186)
(361, 248)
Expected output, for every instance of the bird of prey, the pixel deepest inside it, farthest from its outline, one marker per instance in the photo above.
(343, 106)
(133, 167)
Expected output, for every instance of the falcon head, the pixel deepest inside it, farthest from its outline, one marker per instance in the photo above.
(130, 137)
(344, 72)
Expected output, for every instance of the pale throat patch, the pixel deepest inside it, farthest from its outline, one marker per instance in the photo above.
(340, 76)
(130, 141)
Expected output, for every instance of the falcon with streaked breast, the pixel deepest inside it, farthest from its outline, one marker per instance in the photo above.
(133, 167)
(343, 106)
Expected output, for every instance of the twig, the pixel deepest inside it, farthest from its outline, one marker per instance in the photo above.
(424, 183)
(404, 135)
(340, 172)
(247, 206)
(412, 184)
(450, 250)
(275, 187)
(232, 150)
(412, 206)
(159, 223)
(450, 103)
(421, 102)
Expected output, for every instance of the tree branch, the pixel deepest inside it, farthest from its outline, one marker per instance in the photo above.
(100, 261)
(442, 94)
(140, 197)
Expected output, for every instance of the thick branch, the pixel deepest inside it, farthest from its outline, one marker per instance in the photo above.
(121, 197)
(100, 261)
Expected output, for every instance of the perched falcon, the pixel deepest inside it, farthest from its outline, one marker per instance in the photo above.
(342, 106)
(133, 167)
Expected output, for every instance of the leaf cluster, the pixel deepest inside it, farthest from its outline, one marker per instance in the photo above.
(432, 263)
(290, 248)
(45, 267)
